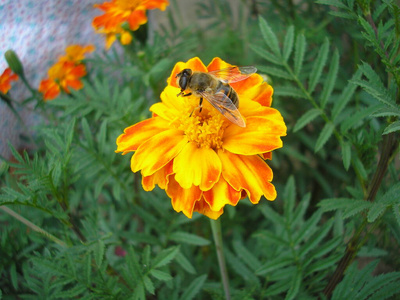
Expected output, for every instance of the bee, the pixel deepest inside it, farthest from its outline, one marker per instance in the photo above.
(214, 86)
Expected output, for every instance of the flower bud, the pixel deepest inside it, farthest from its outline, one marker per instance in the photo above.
(13, 62)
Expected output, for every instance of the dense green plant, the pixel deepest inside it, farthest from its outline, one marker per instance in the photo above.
(75, 222)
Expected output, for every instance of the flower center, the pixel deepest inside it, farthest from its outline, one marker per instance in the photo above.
(204, 128)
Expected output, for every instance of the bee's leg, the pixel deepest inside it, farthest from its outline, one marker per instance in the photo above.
(201, 103)
(189, 94)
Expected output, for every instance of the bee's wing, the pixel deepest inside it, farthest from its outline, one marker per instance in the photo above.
(225, 106)
(234, 74)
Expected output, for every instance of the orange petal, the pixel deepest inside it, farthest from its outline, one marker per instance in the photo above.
(259, 136)
(152, 4)
(183, 199)
(139, 133)
(157, 151)
(137, 18)
(203, 208)
(250, 173)
(217, 64)
(49, 88)
(221, 194)
(160, 178)
(197, 166)
(194, 63)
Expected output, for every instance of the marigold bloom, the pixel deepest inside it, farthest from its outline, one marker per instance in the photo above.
(76, 53)
(62, 76)
(201, 159)
(5, 80)
(117, 12)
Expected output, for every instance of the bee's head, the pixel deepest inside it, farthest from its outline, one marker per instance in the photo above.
(182, 78)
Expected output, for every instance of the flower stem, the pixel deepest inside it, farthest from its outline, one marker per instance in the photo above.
(32, 226)
(217, 234)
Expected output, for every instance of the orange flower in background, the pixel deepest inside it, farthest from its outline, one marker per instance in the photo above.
(66, 73)
(76, 53)
(5, 80)
(118, 12)
(62, 76)
(201, 159)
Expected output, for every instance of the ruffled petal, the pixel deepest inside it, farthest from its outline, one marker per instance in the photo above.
(194, 63)
(259, 136)
(157, 151)
(250, 173)
(183, 200)
(221, 194)
(139, 133)
(152, 4)
(160, 178)
(202, 207)
(197, 166)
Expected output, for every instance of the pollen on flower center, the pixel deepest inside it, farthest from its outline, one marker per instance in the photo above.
(204, 128)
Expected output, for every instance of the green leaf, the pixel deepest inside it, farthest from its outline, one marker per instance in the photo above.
(185, 263)
(325, 263)
(306, 118)
(318, 66)
(330, 81)
(189, 238)
(392, 127)
(375, 211)
(288, 43)
(346, 95)
(324, 136)
(396, 212)
(355, 207)
(69, 133)
(87, 133)
(387, 112)
(160, 275)
(299, 53)
(346, 153)
(272, 238)
(102, 136)
(148, 284)
(295, 285)
(289, 195)
(266, 54)
(194, 288)
(374, 86)
(99, 252)
(289, 91)
(273, 265)
(358, 116)
(275, 72)
(316, 238)
(165, 256)
(244, 254)
(336, 203)
(269, 37)
(308, 228)
(335, 3)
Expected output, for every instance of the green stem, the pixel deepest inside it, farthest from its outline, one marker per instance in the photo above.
(32, 226)
(217, 234)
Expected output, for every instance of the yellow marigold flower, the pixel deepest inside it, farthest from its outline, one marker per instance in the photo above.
(76, 53)
(201, 159)
(5, 80)
(117, 12)
(63, 75)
